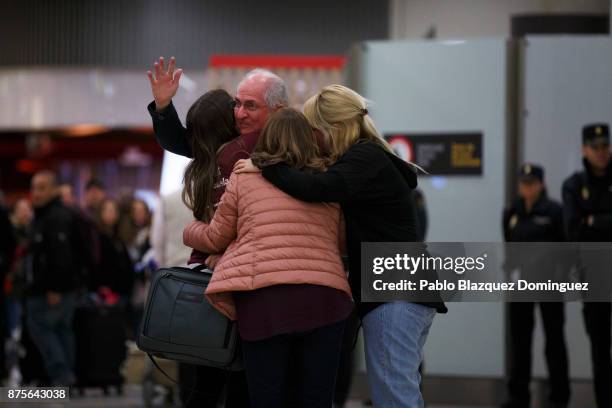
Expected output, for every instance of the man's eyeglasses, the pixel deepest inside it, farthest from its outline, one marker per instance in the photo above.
(248, 105)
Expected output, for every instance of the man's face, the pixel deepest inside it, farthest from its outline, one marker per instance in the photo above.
(530, 188)
(94, 197)
(597, 155)
(23, 212)
(109, 214)
(251, 111)
(67, 195)
(140, 214)
(42, 190)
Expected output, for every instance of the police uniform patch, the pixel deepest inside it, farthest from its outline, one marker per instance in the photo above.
(541, 220)
(513, 221)
(527, 169)
(585, 193)
(598, 130)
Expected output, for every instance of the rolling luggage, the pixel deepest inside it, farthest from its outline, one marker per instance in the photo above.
(100, 346)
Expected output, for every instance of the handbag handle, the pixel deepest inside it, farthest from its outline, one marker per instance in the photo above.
(201, 268)
(191, 390)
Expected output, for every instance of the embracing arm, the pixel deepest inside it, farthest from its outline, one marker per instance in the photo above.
(223, 228)
(341, 182)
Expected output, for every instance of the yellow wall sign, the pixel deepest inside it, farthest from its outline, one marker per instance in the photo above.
(441, 153)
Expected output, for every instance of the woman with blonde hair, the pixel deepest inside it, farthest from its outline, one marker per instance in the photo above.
(374, 188)
(280, 275)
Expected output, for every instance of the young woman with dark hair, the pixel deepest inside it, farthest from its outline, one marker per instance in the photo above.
(115, 270)
(214, 146)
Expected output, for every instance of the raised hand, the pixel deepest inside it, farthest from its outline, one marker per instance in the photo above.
(165, 83)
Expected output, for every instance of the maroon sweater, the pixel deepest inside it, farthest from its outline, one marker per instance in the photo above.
(239, 148)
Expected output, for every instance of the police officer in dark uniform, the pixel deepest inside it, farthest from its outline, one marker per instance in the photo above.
(533, 217)
(587, 206)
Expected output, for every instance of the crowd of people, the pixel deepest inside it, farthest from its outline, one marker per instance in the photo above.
(62, 256)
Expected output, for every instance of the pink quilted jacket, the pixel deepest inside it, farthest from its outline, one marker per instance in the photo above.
(267, 238)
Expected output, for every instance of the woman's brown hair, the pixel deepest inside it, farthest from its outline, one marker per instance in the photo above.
(288, 138)
(210, 125)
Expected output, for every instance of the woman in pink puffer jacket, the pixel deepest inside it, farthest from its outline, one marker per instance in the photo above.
(280, 275)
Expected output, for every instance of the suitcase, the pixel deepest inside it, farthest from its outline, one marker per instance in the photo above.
(100, 346)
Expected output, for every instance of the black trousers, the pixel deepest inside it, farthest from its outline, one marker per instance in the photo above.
(597, 321)
(294, 370)
(346, 368)
(202, 387)
(520, 336)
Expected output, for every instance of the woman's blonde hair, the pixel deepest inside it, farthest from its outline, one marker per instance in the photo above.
(341, 115)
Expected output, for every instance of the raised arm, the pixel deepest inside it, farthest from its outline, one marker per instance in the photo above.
(170, 133)
(215, 237)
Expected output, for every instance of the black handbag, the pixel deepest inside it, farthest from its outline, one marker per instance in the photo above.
(180, 324)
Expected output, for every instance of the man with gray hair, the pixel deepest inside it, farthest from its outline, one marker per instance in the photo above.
(258, 95)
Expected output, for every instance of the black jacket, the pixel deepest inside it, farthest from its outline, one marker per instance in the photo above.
(169, 131)
(7, 244)
(115, 269)
(374, 189)
(52, 259)
(585, 194)
(543, 224)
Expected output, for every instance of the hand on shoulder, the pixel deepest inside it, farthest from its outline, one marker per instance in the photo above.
(245, 166)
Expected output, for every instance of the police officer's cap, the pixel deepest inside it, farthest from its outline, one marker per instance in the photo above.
(530, 172)
(595, 134)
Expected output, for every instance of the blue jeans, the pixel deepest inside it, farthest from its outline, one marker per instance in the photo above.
(394, 336)
(51, 331)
